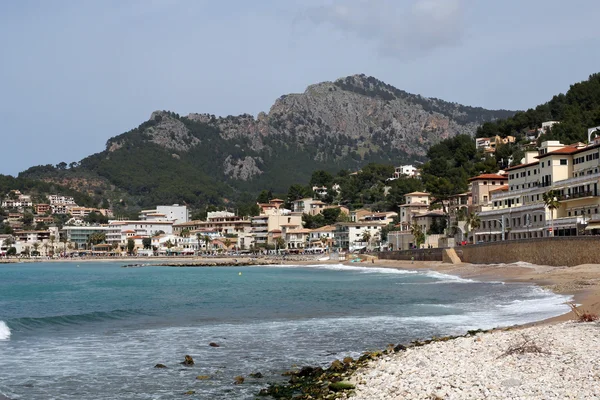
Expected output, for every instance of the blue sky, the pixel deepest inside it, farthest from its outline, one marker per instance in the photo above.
(75, 73)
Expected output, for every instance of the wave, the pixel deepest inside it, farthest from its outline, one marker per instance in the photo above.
(342, 267)
(30, 323)
(4, 331)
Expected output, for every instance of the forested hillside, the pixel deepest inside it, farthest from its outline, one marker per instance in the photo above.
(577, 110)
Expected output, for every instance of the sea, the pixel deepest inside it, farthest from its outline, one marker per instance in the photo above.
(96, 330)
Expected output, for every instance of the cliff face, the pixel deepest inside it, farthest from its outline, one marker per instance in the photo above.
(332, 125)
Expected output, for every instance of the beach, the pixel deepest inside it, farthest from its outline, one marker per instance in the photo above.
(551, 359)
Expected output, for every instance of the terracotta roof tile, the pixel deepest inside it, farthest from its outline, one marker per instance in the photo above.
(488, 176)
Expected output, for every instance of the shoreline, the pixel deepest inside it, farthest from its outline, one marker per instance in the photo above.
(582, 282)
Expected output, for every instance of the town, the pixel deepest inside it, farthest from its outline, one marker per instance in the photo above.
(552, 192)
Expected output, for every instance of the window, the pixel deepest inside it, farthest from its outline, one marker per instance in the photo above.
(563, 161)
(542, 164)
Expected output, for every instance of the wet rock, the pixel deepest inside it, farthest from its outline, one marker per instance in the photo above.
(156, 366)
(309, 371)
(336, 366)
(189, 361)
(213, 344)
(203, 377)
(190, 392)
(238, 380)
(341, 385)
(256, 375)
(348, 360)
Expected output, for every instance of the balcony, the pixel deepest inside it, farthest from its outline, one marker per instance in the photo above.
(577, 180)
(574, 196)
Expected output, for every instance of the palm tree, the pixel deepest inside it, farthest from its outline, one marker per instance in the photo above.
(206, 242)
(168, 245)
(36, 246)
(227, 243)
(552, 203)
(199, 239)
(324, 240)
(52, 239)
(366, 237)
(418, 234)
(473, 222)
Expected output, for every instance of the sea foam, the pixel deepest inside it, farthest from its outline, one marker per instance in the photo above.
(4, 331)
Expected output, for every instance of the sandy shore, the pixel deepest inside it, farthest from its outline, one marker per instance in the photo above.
(582, 281)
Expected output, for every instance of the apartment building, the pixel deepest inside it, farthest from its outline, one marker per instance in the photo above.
(349, 235)
(415, 203)
(571, 173)
(177, 213)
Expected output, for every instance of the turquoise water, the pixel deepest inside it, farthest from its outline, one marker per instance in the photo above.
(96, 330)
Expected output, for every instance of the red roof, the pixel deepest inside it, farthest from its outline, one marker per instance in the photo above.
(522, 166)
(501, 188)
(564, 150)
(488, 176)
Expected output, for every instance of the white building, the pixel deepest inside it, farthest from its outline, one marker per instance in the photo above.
(176, 213)
(571, 172)
(60, 199)
(405, 170)
(120, 231)
(351, 235)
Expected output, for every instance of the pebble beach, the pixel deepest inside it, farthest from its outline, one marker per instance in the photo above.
(553, 359)
(558, 361)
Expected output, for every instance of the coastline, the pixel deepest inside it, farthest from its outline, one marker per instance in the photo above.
(581, 281)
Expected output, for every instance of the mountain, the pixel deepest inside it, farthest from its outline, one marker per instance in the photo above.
(203, 159)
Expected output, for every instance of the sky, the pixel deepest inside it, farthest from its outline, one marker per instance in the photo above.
(75, 73)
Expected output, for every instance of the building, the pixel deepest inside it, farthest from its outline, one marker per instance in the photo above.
(570, 173)
(118, 232)
(350, 235)
(296, 238)
(80, 235)
(271, 222)
(406, 171)
(322, 238)
(55, 199)
(42, 208)
(224, 222)
(176, 213)
(415, 203)
(459, 207)
(384, 218)
(16, 200)
(481, 186)
(308, 206)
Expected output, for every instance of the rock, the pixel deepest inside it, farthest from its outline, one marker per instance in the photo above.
(238, 380)
(203, 377)
(213, 344)
(189, 361)
(190, 392)
(157, 366)
(336, 366)
(348, 360)
(309, 371)
(341, 385)
(256, 375)
(399, 347)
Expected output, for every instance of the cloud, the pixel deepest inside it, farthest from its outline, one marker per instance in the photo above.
(396, 28)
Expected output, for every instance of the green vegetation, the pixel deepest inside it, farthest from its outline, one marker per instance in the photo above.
(451, 163)
(577, 110)
(39, 189)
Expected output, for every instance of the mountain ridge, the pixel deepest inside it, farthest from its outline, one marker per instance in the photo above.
(331, 125)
